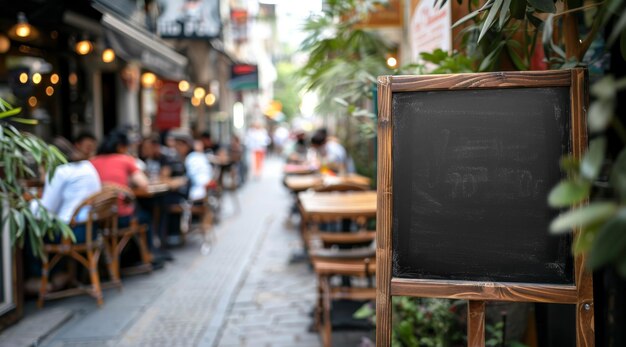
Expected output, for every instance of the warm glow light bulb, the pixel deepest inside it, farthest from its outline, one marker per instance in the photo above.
(32, 101)
(49, 91)
(209, 100)
(84, 47)
(199, 93)
(5, 44)
(183, 86)
(36, 78)
(108, 55)
(148, 79)
(196, 101)
(54, 78)
(392, 62)
(22, 30)
(23, 77)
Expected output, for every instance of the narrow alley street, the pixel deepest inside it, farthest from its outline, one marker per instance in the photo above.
(214, 299)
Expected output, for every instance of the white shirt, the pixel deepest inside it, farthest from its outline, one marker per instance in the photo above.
(199, 173)
(71, 184)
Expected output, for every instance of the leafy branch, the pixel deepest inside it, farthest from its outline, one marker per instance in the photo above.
(22, 154)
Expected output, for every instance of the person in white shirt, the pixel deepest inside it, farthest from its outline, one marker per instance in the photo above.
(71, 184)
(197, 167)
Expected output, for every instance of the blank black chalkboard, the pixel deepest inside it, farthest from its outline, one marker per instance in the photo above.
(471, 172)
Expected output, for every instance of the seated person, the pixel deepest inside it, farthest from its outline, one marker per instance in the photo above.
(71, 184)
(115, 166)
(198, 172)
(197, 167)
(327, 153)
(86, 144)
(158, 165)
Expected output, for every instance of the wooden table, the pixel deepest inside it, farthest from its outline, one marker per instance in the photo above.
(299, 183)
(315, 205)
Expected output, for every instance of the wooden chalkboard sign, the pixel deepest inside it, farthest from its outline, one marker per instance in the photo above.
(466, 162)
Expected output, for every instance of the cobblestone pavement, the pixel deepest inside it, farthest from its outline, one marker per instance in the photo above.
(242, 293)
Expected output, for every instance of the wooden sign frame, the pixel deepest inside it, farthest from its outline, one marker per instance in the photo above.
(580, 293)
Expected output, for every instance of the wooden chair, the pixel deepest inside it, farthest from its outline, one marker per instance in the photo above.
(119, 238)
(101, 217)
(328, 262)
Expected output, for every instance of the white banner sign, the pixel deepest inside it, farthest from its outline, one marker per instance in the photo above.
(430, 28)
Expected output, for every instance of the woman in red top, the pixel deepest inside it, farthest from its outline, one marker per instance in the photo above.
(114, 165)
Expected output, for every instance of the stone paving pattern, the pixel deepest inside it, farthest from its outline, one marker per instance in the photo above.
(243, 293)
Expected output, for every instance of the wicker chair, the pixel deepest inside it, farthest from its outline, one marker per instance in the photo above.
(102, 216)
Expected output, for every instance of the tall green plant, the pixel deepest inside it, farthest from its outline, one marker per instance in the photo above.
(17, 151)
(567, 32)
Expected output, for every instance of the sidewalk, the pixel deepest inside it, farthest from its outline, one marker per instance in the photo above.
(243, 293)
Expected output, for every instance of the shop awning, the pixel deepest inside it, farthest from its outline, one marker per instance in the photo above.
(133, 43)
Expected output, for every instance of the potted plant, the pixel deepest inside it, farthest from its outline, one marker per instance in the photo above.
(21, 154)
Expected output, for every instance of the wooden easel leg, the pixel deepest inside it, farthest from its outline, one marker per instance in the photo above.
(383, 320)
(585, 335)
(476, 323)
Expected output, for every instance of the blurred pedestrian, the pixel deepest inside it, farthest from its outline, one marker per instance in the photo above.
(257, 140)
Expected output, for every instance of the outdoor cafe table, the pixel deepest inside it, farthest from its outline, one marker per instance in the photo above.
(319, 206)
(299, 183)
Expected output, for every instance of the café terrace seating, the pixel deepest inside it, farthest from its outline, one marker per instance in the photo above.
(345, 254)
(101, 216)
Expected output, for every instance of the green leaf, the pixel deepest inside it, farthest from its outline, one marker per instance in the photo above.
(605, 88)
(591, 214)
(569, 164)
(25, 121)
(543, 5)
(618, 175)
(517, 60)
(465, 18)
(366, 311)
(584, 239)
(10, 112)
(568, 192)
(518, 9)
(503, 12)
(600, 114)
(610, 242)
(594, 158)
(491, 17)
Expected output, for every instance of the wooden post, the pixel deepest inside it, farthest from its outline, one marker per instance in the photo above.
(475, 323)
(383, 217)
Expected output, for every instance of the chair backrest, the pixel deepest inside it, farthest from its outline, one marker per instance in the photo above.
(101, 206)
(120, 191)
(101, 209)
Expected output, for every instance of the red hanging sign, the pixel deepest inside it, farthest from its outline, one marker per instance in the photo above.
(170, 103)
